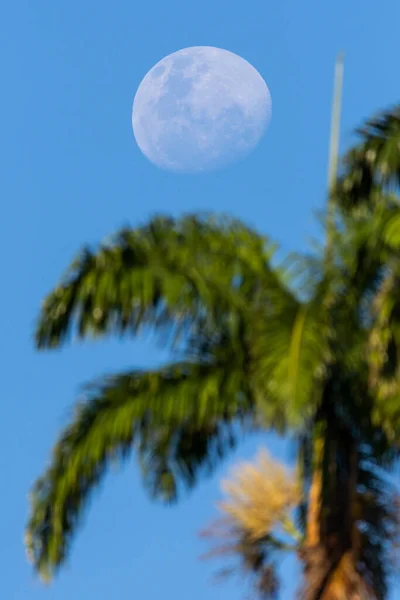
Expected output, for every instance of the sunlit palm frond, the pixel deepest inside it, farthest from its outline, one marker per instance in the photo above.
(291, 350)
(181, 419)
(166, 274)
(356, 190)
(391, 233)
(373, 165)
(380, 137)
(384, 352)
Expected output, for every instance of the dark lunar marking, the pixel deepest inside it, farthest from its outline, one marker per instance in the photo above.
(168, 107)
(250, 134)
(158, 71)
(181, 62)
(229, 138)
(234, 115)
(178, 85)
(182, 148)
(202, 68)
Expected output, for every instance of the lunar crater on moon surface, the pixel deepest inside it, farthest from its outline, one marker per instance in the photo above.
(200, 109)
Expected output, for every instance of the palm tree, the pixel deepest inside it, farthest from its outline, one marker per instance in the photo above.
(309, 348)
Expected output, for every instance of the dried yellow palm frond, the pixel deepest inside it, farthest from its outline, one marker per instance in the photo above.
(260, 497)
(259, 500)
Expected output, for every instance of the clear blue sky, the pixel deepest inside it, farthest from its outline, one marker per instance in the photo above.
(71, 173)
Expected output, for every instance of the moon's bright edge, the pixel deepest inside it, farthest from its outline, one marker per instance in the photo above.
(200, 109)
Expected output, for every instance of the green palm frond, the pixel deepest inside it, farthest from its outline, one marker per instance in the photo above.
(391, 233)
(384, 352)
(374, 164)
(181, 420)
(356, 190)
(291, 351)
(361, 255)
(167, 274)
(381, 138)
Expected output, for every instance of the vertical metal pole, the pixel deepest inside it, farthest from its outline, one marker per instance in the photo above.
(334, 153)
(335, 123)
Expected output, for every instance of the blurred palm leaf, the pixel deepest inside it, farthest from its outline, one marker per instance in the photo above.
(374, 164)
(182, 420)
(162, 275)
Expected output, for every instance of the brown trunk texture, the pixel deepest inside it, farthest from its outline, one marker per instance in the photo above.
(330, 553)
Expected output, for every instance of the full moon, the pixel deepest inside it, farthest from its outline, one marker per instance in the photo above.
(200, 109)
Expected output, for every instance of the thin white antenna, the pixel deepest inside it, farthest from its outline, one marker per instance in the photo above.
(335, 123)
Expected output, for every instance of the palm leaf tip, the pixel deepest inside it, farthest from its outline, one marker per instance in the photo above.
(157, 275)
(372, 166)
(181, 420)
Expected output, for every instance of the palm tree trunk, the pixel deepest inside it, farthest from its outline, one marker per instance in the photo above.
(315, 559)
(331, 549)
(314, 498)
